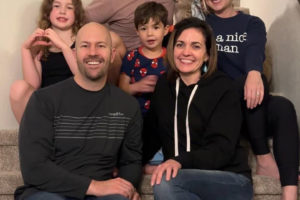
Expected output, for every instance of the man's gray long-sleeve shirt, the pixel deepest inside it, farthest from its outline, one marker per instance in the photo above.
(69, 136)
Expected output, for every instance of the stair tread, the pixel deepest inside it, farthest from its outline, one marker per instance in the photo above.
(8, 137)
(9, 181)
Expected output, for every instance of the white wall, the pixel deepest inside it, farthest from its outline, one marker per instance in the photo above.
(18, 20)
(282, 19)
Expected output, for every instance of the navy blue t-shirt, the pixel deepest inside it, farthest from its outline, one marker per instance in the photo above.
(240, 42)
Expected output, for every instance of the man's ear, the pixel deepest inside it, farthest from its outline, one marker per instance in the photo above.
(113, 54)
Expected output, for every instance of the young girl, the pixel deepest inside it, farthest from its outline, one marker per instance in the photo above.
(47, 55)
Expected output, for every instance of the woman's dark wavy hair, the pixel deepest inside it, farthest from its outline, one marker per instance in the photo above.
(210, 44)
(44, 18)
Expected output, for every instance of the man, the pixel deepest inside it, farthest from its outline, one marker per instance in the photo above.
(73, 134)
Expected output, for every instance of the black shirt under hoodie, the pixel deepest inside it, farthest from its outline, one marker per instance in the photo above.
(214, 123)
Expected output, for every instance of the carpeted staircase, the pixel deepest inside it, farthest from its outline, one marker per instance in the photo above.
(10, 177)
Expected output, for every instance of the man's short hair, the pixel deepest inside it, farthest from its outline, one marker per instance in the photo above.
(148, 10)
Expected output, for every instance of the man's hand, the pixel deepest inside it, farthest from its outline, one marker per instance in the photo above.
(170, 166)
(112, 186)
(253, 89)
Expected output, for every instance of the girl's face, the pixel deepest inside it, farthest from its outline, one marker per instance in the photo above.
(190, 53)
(62, 15)
(219, 6)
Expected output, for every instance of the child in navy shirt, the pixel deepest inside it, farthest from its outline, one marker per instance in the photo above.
(141, 67)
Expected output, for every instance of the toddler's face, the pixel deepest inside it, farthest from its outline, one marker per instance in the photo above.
(152, 34)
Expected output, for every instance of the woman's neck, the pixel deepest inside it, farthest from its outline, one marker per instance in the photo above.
(190, 79)
(227, 13)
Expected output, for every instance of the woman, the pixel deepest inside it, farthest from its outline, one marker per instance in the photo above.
(241, 40)
(195, 117)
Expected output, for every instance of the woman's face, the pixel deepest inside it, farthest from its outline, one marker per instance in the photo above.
(190, 53)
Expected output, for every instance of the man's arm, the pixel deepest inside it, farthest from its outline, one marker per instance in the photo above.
(130, 162)
(36, 147)
(170, 6)
(99, 11)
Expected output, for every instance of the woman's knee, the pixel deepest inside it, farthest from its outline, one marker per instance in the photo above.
(167, 187)
(281, 106)
(163, 187)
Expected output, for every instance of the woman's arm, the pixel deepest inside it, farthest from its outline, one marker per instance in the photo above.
(254, 58)
(93, 11)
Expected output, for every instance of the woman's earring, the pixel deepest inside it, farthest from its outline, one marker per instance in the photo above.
(204, 68)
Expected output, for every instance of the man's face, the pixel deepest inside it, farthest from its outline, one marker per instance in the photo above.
(93, 52)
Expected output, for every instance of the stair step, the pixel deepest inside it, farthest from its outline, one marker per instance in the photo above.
(9, 181)
(7, 197)
(8, 137)
(9, 156)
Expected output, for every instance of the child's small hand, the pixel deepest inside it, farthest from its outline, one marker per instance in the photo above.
(55, 39)
(147, 84)
(36, 39)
